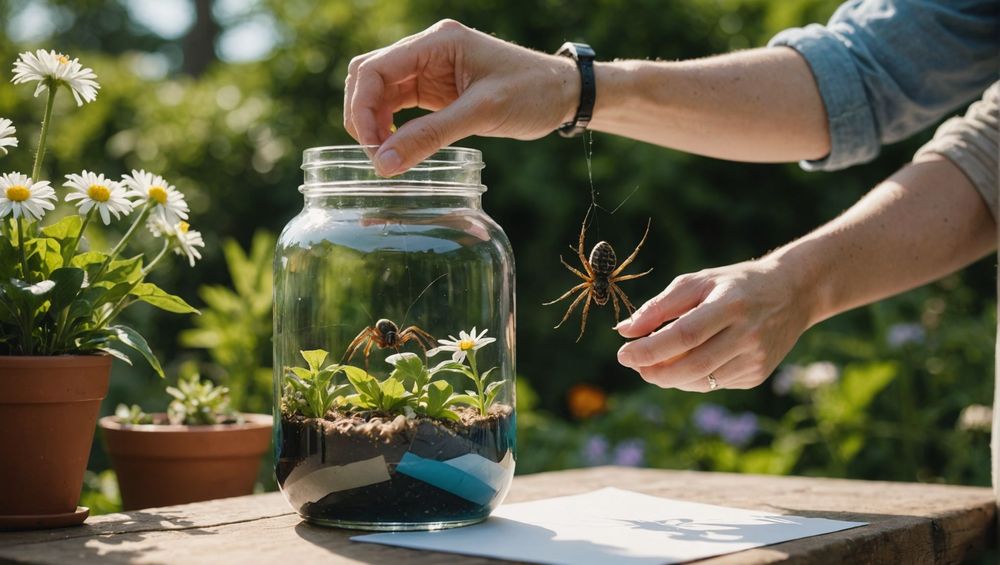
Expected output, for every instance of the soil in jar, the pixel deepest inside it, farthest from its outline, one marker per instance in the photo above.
(370, 468)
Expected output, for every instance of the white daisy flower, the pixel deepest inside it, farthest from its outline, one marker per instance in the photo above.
(7, 138)
(183, 239)
(170, 204)
(23, 198)
(186, 241)
(462, 345)
(95, 191)
(51, 69)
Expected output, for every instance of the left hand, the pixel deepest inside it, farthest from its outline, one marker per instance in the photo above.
(735, 323)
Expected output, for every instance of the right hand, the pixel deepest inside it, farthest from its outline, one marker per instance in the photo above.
(474, 83)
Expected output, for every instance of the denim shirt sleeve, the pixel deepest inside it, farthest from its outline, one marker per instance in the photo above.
(889, 68)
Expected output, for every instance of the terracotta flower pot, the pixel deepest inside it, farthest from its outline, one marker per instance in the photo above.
(163, 465)
(48, 408)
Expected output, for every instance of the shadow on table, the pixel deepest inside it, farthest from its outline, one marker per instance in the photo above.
(106, 542)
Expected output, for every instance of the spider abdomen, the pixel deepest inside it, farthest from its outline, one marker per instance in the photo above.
(602, 259)
(603, 262)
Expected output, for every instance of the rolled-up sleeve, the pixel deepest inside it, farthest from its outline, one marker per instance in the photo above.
(886, 69)
(971, 142)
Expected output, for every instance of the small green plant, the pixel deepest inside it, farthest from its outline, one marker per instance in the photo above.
(311, 391)
(411, 387)
(133, 415)
(464, 348)
(199, 402)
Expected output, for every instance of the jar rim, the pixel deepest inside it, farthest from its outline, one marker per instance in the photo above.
(450, 170)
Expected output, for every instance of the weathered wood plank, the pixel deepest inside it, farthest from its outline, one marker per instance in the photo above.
(909, 523)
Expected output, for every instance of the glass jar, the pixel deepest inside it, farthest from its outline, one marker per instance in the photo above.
(393, 346)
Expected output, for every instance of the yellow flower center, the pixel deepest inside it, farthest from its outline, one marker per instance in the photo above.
(183, 227)
(18, 193)
(159, 194)
(99, 193)
(63, 59)
(466, 344)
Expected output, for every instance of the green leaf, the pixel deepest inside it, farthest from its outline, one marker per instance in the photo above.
(48, 250)
(302, 373)
(116, 354)
(438, 395)
(364, 384)
(68, 282)
(65, 229)
(36, 291)
(87, 259)
(152, 294)
(133, 339)
(124, 270)
(315, 358)
(469, 399)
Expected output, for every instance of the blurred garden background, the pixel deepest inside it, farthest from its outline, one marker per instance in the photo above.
(222, 96)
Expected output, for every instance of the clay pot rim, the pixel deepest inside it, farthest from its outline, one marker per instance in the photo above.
(69, 360)
(252, 422)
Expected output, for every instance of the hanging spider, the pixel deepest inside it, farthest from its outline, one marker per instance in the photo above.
(385, 334)
(601, 278)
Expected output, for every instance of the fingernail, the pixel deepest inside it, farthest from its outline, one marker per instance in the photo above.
(387, 162)
(623, 323)
(624, 357)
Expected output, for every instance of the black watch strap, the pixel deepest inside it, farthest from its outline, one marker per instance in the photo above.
(584, 57)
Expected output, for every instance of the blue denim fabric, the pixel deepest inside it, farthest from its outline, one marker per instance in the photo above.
(889, 68)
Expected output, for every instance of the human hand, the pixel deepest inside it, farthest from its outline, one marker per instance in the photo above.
(474, 83)
(735, 323)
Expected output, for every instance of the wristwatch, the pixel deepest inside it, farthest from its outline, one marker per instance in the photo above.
(584, 57)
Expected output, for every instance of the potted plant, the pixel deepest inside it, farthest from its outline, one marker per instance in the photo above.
(59, 301)
(200, 449)
(404, 452)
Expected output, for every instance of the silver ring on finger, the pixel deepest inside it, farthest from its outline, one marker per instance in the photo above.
(712, 382)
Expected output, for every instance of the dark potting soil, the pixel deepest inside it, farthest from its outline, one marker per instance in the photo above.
(346, 467)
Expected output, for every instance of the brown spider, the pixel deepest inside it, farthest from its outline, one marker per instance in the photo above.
(600, 278)
(387, 334)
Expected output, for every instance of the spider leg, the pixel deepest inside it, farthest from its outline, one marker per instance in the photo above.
(630, 277)
(368, 349)
(568, 292)
(586, 310)
(614, 302)
(628, 304)
(631, 257)
(413, 333)
(352, 347)
(579, 249)
(572, 270)
(584, 294)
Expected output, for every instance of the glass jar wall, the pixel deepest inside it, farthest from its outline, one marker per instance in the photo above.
(393, 346)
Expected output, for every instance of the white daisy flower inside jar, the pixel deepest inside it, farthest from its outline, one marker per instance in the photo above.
(385, 420)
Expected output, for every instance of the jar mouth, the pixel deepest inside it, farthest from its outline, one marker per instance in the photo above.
(349, 169)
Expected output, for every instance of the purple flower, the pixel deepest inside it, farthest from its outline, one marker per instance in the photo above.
(595, 451)
(630, 453)
(738, 430)
(903, 334)
(709, 418)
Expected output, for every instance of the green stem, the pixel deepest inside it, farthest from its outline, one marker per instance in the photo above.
(20, 245)
(478, 381)
(121, 243)
(36, 170)
(70, 250)
(159, 256)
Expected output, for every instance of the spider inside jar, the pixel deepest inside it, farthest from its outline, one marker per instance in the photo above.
(600, 279)
(385, 333)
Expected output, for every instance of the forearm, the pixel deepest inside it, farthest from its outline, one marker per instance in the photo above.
(760, 105)
(922, 223)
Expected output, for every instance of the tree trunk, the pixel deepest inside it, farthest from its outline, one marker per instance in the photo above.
(199, 43)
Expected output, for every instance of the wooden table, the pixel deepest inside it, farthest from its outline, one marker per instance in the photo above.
(909, 523)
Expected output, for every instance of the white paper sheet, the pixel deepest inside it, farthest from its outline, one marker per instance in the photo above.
(614, 526)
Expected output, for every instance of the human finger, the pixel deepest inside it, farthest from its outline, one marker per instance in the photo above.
(684, 293)
(696, 364)
(684, 334)
(727, 376)
(421, 137)
(350, 85)
(397, 63)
